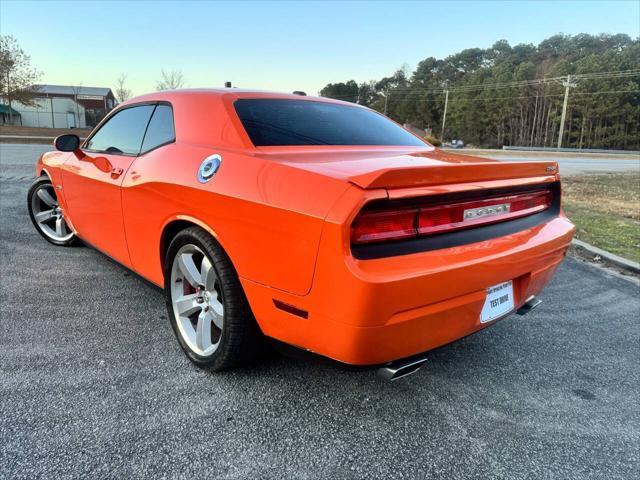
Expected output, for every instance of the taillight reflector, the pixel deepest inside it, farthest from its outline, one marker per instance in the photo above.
(408, 222)
(386, 225)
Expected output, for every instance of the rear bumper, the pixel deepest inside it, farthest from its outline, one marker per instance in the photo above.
(375, 311)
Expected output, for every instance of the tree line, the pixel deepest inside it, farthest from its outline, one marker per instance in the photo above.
(513, 95)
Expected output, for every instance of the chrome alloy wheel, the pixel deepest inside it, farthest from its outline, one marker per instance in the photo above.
(48, 214)
(196, 297)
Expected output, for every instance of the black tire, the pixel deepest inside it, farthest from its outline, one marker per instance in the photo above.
(240, 340)
(35, 186)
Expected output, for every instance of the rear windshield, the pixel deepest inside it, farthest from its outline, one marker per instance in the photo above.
(273, 122)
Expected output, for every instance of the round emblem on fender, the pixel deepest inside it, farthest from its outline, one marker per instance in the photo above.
(209, 167)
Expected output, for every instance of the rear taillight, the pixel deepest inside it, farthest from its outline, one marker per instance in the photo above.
(385, 225)
(423, 220)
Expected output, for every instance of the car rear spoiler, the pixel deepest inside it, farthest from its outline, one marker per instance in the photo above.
(443, 174)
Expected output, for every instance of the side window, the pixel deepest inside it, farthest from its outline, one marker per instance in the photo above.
(123, 132)
(160, 130)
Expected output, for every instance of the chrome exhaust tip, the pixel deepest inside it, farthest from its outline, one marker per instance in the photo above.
(530, 304)
(400, 369)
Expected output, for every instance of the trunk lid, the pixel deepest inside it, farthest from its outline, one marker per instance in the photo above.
(393, 167)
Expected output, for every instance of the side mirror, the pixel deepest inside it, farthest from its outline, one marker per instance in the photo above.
(67, 143)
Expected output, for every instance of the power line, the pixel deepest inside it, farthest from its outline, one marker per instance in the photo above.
(545, 95)
(568, 82)
(492, 99)
(523, 83)
(553, 95)
(502, 85)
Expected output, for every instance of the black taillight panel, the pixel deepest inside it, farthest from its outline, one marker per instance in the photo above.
(459, 237)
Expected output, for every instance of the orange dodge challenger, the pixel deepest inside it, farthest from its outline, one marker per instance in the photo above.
(319, 223)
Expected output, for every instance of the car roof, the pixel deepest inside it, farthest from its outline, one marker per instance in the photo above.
(193, 105)
(168, 95)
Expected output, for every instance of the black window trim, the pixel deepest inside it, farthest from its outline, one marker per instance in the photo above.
(114, 112)
(168, 142)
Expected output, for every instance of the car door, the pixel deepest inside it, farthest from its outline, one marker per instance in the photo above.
(145, 201)
(92, 180)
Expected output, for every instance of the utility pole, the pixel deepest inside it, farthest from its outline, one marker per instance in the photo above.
(76, 99)
(567, 85)
(385, 94)
(444, 116)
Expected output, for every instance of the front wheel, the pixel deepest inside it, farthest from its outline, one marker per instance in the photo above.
(46, 214)
(207, 307)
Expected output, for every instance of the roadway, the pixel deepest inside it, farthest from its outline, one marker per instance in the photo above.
(568, 163)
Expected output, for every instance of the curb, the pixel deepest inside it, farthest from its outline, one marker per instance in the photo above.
(623, 263)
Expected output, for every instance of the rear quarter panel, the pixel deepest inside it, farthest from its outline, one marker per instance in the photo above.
(267, 216)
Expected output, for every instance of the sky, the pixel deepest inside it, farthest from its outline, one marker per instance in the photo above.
(281, 46)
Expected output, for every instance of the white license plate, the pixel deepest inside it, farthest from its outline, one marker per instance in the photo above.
(499, 302)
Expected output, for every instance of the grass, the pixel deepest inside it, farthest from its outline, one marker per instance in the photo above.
(606, 211)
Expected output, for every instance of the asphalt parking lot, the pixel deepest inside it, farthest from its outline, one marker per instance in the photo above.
(93, 383)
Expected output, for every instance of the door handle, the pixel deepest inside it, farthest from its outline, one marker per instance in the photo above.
(116, 172)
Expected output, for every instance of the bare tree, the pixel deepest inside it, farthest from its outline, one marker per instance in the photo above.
(170, 80)
(17, 76)
(122, 92)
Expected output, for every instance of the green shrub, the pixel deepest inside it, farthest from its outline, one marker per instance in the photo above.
(433, 141)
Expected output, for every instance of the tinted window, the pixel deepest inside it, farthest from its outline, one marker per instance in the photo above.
(123, 132)
(301, 122)
(160, 129)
